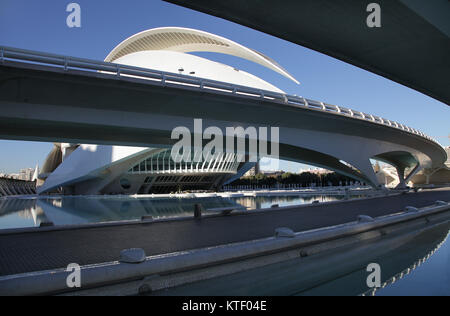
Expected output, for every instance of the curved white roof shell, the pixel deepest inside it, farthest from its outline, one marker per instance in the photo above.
(187, 40)
(192, 65)
(88, 162)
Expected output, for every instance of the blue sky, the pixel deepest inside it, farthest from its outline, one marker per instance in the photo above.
(41, 25)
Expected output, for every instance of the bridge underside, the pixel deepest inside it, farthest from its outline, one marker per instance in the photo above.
(73, 107)
(338, 28)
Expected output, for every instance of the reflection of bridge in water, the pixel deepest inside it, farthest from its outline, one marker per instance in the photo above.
(342, 271)
(16, 187)
(417, 256)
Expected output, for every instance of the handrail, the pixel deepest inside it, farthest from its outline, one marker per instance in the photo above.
(167, 78)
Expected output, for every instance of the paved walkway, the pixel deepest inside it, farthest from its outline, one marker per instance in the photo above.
(27, 252)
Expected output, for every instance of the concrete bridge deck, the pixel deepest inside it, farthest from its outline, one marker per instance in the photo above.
(47, 97)
(43, 249)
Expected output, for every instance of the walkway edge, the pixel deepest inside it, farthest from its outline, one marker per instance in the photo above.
(54, 281)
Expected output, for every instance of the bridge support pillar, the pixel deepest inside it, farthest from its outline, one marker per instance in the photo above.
(401, 175)
(401, 178)
(365, 167)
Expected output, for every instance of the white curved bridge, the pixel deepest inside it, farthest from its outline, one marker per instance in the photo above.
(49, 97)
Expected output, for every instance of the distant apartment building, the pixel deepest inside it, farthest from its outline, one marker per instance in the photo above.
(26, 174)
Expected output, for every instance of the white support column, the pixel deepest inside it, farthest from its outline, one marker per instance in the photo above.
(413, 172)
(365, 167)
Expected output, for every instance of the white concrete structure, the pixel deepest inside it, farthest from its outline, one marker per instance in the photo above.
(184, 40)
(102, 169)
(95, 169)
(167, 49)
(76, 101)
(194, 66)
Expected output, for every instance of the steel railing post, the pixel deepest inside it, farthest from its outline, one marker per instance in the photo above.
(305, 102)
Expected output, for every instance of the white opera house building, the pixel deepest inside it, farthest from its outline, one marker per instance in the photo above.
(104, 169)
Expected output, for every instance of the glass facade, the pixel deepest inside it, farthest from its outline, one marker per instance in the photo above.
(162, 162)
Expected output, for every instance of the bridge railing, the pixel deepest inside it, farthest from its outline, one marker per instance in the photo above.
(189, 82)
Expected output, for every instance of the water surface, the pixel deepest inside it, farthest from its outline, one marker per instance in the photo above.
(420, 266)
(20, 213)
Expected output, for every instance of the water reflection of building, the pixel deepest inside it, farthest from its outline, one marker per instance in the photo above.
(81, 210)
(23, 208)
(258, 202)
(9, 206)
(250, 203)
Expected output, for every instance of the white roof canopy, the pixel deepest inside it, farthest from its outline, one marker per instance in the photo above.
(187, 40)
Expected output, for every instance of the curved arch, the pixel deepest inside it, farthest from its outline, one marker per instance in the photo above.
(401, 160)
(187, 40)
(323, 160)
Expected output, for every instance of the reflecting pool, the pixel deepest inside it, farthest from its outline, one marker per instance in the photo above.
(20, 213)
(414, 265)
(417, 265)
